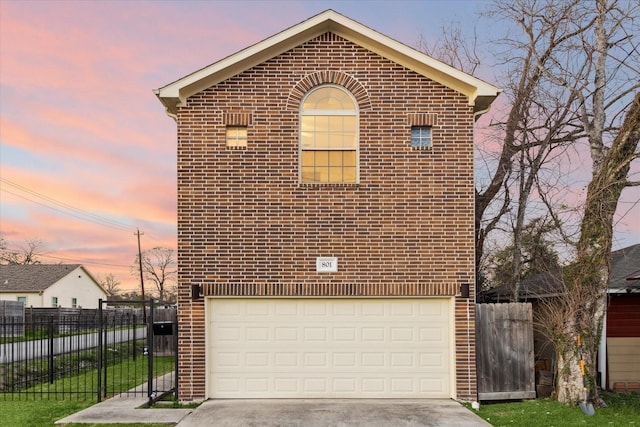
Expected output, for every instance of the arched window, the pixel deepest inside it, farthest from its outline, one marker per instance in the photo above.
(328, 136)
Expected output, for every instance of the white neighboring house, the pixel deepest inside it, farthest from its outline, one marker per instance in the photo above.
(50, 285)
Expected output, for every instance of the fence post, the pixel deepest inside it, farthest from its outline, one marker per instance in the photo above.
(105, 355)
(150, 355)
(175, 353)
(50, 358)
(135, 328)
(99, 350)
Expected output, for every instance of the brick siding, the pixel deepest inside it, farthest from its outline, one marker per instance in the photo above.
(246, 226)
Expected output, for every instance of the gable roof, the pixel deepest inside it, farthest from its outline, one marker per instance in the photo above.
(33, 277)
(480, 94)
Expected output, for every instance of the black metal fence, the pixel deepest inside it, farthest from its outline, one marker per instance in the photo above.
(91, 355)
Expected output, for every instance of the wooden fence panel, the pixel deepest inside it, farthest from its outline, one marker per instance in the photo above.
(505, 356)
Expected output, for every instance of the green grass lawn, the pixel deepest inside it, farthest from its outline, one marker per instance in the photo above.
(622, 410)
(44, 413)
(31, 410)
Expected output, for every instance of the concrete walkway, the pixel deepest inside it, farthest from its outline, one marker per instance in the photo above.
(285, 413)
(125, 409)
(282, 412)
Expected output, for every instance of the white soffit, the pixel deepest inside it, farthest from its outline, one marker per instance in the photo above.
(480, 93)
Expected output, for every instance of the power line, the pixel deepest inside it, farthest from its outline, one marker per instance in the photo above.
(61, 211)
(79, 213)
(77, 261)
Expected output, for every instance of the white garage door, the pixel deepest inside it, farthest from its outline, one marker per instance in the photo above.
(329, 348)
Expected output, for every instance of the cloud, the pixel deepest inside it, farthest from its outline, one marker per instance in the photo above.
(79, 121)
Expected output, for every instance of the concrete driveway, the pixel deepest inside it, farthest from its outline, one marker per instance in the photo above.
(330, 413)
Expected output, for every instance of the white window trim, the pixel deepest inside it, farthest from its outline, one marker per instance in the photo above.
(355, 112)
(234, 143)
(421, 147)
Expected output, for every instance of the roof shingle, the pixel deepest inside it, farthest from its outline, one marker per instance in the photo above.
(32, 277)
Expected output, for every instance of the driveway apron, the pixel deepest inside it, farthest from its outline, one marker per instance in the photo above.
(331, 412)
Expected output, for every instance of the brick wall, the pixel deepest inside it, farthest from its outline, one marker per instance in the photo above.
(247, 227)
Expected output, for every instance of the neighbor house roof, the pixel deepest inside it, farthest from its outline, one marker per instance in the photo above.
(32, 277)
(623, 278)
(625, 270)
(480, 94)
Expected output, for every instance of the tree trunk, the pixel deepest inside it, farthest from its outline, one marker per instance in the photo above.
(586, 290)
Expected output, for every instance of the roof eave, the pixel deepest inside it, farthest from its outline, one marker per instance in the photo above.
(175, 94)
(479, 93)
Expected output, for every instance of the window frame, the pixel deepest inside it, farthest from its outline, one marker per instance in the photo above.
(355, 113)
(54, 302)
(234, 143)
(421, 139)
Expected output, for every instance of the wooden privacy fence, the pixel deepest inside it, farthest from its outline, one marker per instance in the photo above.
(505, 356)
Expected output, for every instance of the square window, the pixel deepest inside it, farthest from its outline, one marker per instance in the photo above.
(421, 136)
(236, 136)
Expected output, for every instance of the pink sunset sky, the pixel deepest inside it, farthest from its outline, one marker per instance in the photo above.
(88, 154)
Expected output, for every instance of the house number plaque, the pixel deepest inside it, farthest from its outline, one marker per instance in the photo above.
(326, 264)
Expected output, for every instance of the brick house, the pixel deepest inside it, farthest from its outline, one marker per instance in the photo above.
(325, 219)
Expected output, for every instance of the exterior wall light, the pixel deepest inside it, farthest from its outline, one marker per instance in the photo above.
(464, 290)
(196, 292)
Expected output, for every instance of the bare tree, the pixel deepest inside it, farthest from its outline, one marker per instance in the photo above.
(531, 127)
(453, 48)
(572, 70)
(535, 256)
(28, 253)
(158, 267)
(110, 284)
(597, 65)
(583, 53)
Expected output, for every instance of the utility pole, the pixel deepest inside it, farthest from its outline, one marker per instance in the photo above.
(144, 304)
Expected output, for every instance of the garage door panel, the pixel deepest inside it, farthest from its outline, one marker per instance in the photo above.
(373, 308)
(345, 360)
(286, 385)
(228, 334)
(432, 360)
(257, 334)
(344, 311)
(373, 359)
(225, 359)
(402, 309)
(344, 385)
(437, 335)
(314, 309)
(315, 334)
(372, 335)
(285, 333)
(286, 359)
(402, 360)
(360, 348)
(341, 334)
(314, 360)
(431, 385)
(402, 335)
